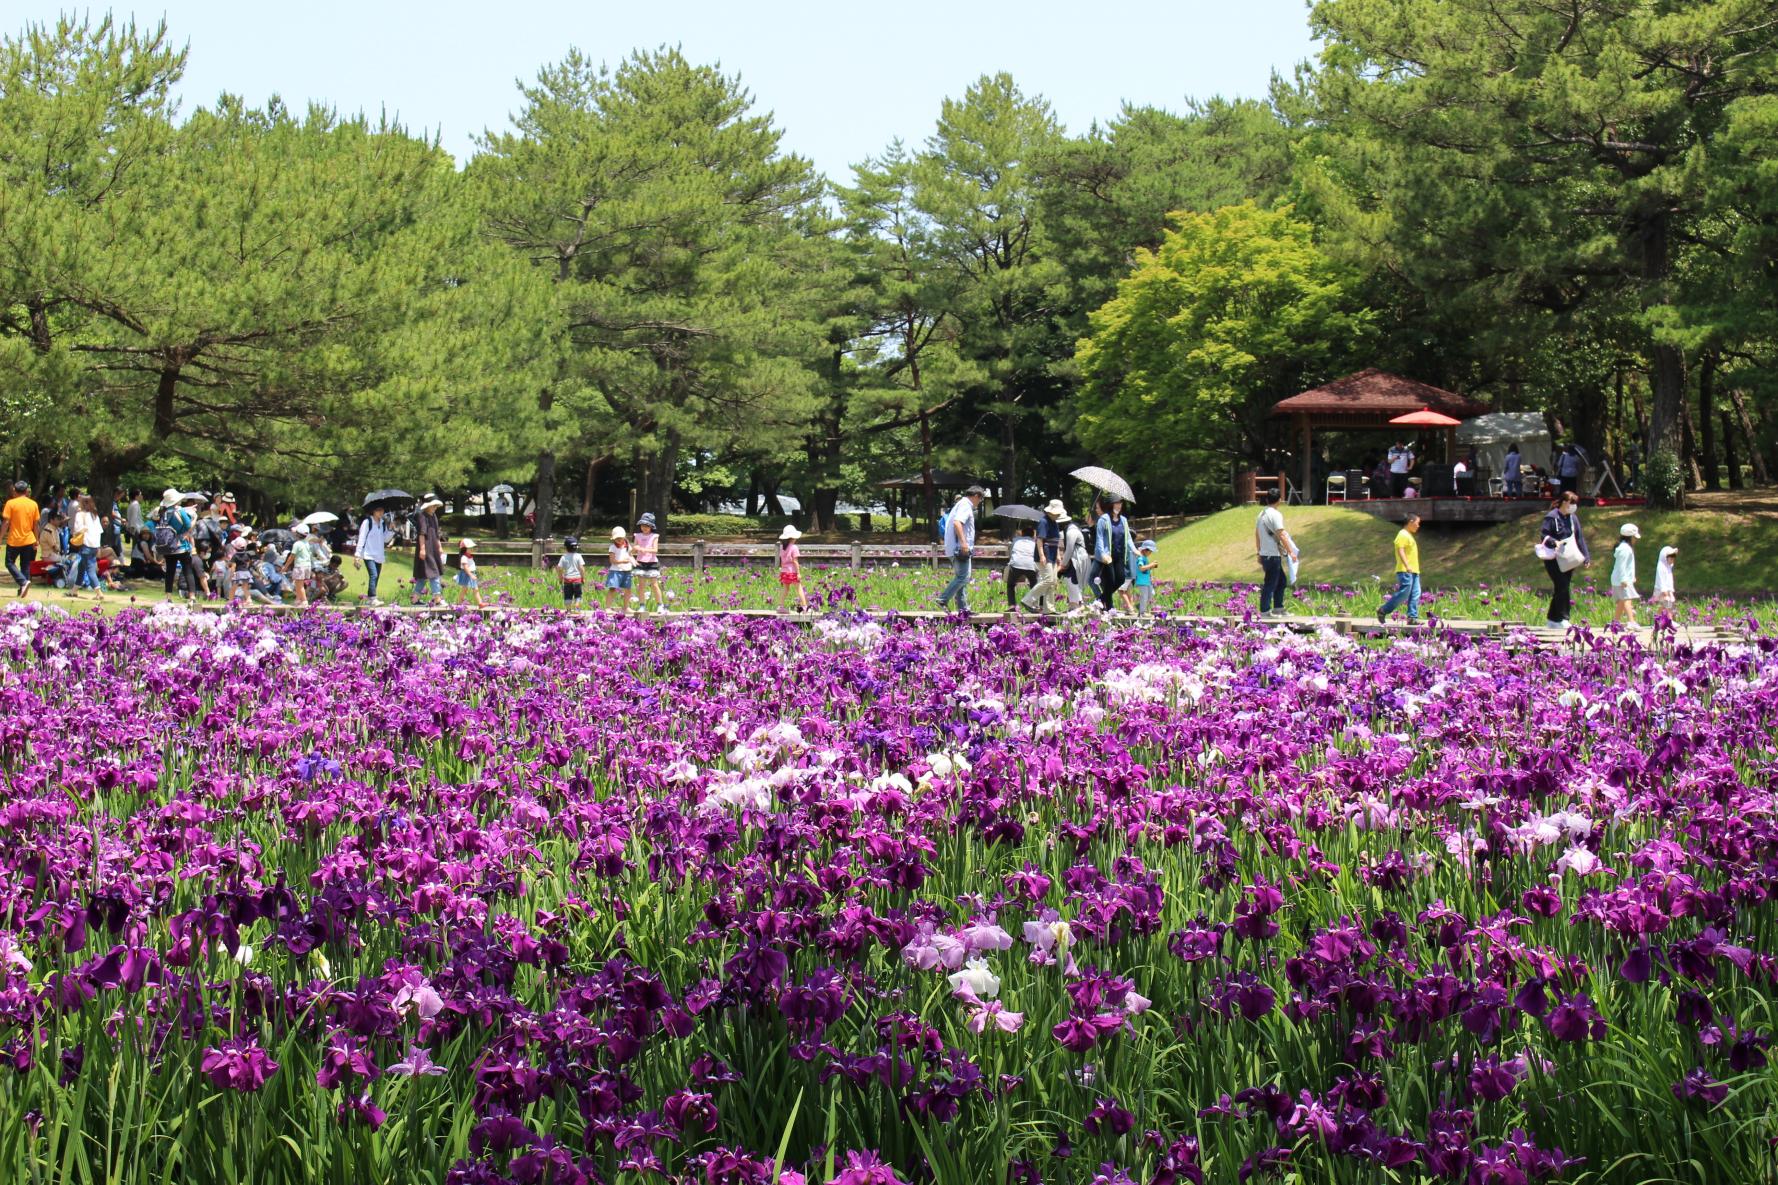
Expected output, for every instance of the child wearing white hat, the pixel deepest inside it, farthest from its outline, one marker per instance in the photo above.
(790, 572)
(466, 578)
(618, 568)
(1664, 592)
(1623, 576)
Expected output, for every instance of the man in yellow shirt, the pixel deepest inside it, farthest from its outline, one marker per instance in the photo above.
(1407, 573)
(20, 516)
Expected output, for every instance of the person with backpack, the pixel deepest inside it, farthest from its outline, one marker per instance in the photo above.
(173, 529)
(371, 549)
(958, 528)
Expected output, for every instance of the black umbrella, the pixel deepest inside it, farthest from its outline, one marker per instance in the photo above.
(375, 496)
(276, 537)
(1024, 514)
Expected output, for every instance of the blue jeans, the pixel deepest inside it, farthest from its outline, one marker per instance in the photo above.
(373, 572)
(959, 586)
(1271, 590)
(1407, 588)
(432, 587)
(86, 567)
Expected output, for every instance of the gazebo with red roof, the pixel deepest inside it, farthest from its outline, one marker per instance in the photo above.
(1368, 399)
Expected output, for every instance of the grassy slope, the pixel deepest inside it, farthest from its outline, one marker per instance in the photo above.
(1726, 551)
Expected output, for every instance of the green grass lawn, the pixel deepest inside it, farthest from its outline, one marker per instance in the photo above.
(1730, 552)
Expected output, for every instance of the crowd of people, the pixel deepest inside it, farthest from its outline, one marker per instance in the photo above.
(1052, 560)
(1561, 546)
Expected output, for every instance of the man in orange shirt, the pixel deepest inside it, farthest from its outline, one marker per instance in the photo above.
(20, 516)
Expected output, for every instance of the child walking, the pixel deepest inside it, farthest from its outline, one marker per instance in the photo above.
(646, 548)
(572, 566)
(466, 572)
(1145, 577)
(790, 574)
(1623, 576)
(1664, 591)
(618, 567)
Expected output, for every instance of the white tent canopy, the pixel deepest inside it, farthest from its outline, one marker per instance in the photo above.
(1490, 436)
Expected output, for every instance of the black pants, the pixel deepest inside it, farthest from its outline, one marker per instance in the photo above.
(1015, 578)
(1398, 484)
(1562, 592)
(183, 567)
(1111, 578)
(19, 561)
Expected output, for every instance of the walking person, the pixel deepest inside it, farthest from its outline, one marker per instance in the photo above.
(1145, 565)
(790, 571)
(572, 568)
(1664, 594)
(1623, 576)
(428, 553)
(371, 549)
(305, 561)
(645, 549)
(1271, 543)
(21, 515)
(959, 541)
(466, 578)
(1114, 552)
(1042, 596)
(1077, 562)
(172, 538)
(133, 519)
(1560, 525)
(1513, 471)
(618, 569)
(1021, 566)
(1407, 573)
(83, 538)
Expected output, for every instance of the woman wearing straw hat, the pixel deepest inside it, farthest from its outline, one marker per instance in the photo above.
(790, 570)
(428, 553)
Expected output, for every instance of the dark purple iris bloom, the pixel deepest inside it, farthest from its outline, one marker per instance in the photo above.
(237, 1065)
(1575, 1019)
(1108, 1117)
(865, 1168)
(690, 1112)
(1699, 1087)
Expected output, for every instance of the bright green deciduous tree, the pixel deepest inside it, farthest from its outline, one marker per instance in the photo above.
(1236, 309)
(1558, 153)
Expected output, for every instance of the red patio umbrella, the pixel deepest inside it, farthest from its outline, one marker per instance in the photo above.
(1426, 418)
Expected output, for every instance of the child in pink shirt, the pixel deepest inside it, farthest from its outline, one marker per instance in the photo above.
(790, 570)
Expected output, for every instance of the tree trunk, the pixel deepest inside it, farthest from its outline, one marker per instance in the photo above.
(1728, 451)
(1761, 477)
(586, 493)
(768, 496)
(545, 487)
(654, 481)
(1666, 364)
(1707, 421)
(1009, 459)
(928, 492)
(1688, 447)
(752, 493)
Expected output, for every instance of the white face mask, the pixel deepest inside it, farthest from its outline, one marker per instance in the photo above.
(1569, 510)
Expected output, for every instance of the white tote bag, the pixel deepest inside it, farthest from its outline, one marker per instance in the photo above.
(1568, 555)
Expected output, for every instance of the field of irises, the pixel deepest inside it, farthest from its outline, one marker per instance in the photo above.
(533, 897)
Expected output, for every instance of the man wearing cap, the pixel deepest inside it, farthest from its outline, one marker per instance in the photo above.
(428, 552)
(1042, 597)
(20, 515)
(959, 545)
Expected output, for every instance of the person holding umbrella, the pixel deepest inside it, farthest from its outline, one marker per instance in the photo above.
(428, 553)
(1114, 552)
(371, 548)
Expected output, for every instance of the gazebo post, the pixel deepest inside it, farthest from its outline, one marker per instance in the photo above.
(1308, 471)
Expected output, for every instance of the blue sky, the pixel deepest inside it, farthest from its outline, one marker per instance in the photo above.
(842, 80)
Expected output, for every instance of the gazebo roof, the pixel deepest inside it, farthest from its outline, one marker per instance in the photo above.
(1372, 397)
